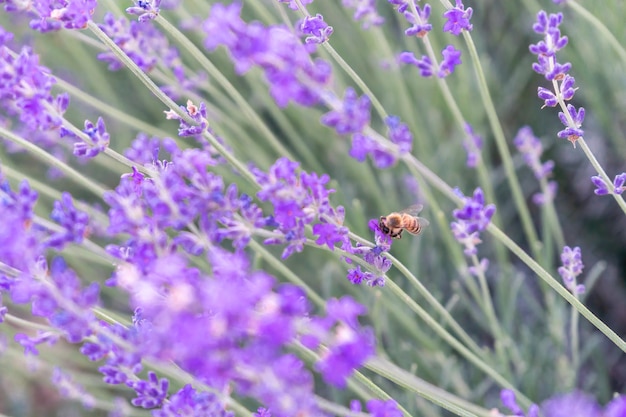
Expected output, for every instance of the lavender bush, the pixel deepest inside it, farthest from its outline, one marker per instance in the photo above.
(191, 194)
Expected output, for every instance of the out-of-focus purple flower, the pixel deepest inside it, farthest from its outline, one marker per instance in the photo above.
(572, 130)
(143, 149)
(293, 5)
(287, 64)
(507, 397)
(547, 195)
(347, 344)
(144, 44)
(68, 388)
(25, 92)
(52, 15)
(74, 223)
(29, 343)
(458, 19)
(364, 11)
(353, 116)
(317, 30)
(559, 1)
(572, 268)
(424, 64)
(189, 402)
(262, 412)
(100, 139)
(145, 9)
(151, 393)
(531, 149)
(618, 184)
(383, 156)
(451, 58)
(616, 408)
(473, 144)
(420, 26)
(382, 408)
(472, 218)
(574, 404)
(299, 200)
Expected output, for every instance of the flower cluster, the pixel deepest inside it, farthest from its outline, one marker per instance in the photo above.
(51, 16)
(531, 149)
(473, 144)
(299, 200)
(619, 184)
(451, 58)
(557, 73)
(573, 404)
(375, 257)
(571, 269)
(457, 20)
(365, 12)
(289, 70)
(472, 218)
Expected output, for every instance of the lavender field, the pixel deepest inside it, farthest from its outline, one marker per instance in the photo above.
(303, 208)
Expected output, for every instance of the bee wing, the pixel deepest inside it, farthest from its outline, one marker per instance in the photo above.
(413, 210)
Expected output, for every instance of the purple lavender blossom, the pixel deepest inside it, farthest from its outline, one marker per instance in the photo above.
(531, 149)
(616, 408)
(197, 113)
(189, 402)
(423, 64)
(143, 149)
(451, 58)
(347, 344)
(383, 408)
(572, 130)
(293, 5)
(145, 9)
(546, 196)
(74, 223)
(298, 200)
(572, 268)
(70, 389)
(574, 404)
(317, 30)
(364, 11)
(288, 67)
(507, 397)
(100, 139)
(458, 19)
(419, 23)
(353, 115)
(602, 188)
(472, 218)
(26, 91)
(473, 144)
(51, 15)
(143, 43)
(151, 393)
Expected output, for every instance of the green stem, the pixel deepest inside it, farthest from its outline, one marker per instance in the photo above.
(432, 393)
(507, 161)
(556, 286)
(454, 343)
(52, 161)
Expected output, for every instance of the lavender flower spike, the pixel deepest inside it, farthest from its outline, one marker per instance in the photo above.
(572, 267)
(602, 188)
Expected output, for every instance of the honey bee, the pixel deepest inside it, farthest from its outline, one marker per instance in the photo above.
(395, 223)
